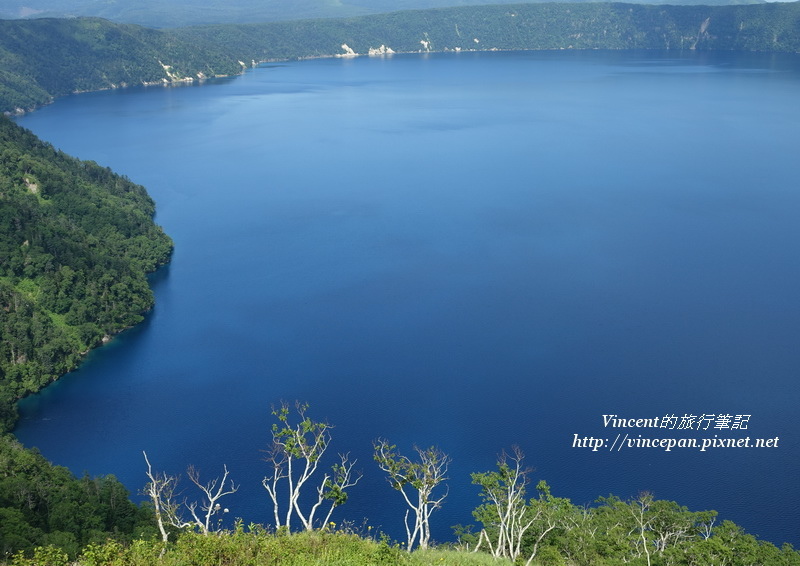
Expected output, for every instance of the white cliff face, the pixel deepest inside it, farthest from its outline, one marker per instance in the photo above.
(32, 186)
(348, 51)
(174, 77)
(379, 51)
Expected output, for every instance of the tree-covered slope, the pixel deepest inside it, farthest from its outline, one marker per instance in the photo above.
(42, 504)
(45, 58)
(772, 27)
(76, 241)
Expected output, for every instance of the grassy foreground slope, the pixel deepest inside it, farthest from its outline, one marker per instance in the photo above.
(728, 546)
(46, 58)
(240, 548)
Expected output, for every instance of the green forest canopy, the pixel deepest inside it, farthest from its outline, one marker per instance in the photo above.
(76, 241)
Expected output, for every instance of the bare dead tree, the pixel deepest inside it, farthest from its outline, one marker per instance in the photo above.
(161, 490)
(214, 490)
(639, 508)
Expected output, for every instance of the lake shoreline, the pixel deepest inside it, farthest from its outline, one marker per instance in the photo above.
(361, 274)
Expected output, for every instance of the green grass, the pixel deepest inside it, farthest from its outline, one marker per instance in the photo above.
(26, 287)
(449, 557)
(259, 548)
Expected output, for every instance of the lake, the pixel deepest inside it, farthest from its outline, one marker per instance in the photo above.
(472, 251)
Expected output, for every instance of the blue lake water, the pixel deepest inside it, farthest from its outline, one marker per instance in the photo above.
(472, 251)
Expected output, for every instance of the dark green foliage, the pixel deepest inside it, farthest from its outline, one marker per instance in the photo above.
(42, 504)
(544, 529)
(76, 241)
(638, 531)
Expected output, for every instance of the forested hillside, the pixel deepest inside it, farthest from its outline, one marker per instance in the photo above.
(42, 504)
(43, 59)
(76, 241)
(773, 27)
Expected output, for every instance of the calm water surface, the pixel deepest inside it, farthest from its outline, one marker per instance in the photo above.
(472, 251)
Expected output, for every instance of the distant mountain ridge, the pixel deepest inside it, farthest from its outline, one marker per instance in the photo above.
(177, 13)
(41, 59)
(763, 27)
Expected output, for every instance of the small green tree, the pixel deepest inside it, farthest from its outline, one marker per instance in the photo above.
(514, 527)
(503, 510)
(421, 476)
